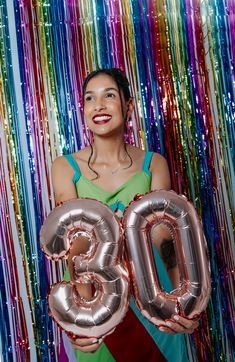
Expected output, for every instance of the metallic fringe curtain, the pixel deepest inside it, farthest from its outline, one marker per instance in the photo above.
(179, 56)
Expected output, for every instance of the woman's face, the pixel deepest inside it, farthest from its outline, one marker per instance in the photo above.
(104, 110)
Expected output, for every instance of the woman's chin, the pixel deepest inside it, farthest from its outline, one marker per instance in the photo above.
(108, 131)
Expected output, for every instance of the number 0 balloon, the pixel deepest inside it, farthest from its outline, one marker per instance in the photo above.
(140, 217)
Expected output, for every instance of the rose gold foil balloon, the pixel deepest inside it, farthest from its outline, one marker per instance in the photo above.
(101, 265)
(140, 217)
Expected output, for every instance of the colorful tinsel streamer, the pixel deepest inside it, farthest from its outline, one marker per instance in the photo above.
(179, 57)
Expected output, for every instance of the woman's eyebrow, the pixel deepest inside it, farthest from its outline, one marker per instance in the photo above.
(104, 90)
(110, 88)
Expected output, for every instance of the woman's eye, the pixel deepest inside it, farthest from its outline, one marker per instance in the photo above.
(88, 98)
(110, 95)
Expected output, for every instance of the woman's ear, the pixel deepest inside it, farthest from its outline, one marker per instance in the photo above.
(130, 106)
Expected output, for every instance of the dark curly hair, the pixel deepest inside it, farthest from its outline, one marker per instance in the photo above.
(123, 87)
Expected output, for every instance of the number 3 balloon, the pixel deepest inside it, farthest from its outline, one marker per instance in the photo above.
(140, 217)
(102, 263)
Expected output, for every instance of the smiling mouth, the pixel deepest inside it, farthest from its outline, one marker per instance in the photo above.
(101, 119)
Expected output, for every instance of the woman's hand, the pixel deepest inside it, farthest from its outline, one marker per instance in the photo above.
(179, 325)
(86, 344)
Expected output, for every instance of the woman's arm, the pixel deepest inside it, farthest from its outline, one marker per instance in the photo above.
(164, 243)
(64, 190)
(161, 235)
(62, 180)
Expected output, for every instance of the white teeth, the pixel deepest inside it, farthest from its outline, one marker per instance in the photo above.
(101, 118)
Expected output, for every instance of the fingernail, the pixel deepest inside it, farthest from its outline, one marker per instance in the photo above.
(161, 329)
(95, 340)
(176, 317)
(100, 340)
(169, 324)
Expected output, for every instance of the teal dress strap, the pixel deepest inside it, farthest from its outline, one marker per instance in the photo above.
(74, 165)
(147, 160)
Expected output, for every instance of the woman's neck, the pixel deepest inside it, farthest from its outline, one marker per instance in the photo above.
(110, 150)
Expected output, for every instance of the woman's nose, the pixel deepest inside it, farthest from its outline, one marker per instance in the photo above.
(99, 105)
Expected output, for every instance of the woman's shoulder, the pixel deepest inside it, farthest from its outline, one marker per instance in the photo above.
(62, 161)
(139, 153)
(65, 166)
(82, 155)
(135, 152)
(159, 165)
(157, 157)
(160, 173)
(59, 161)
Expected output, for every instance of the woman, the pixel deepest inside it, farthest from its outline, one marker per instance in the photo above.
(114, 172)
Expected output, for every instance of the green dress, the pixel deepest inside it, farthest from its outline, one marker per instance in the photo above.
(123, 344)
